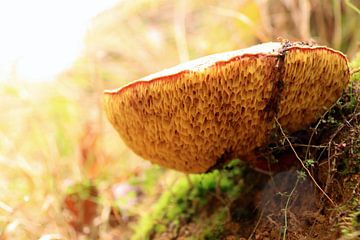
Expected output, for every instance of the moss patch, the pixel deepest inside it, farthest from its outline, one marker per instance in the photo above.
(191, 196)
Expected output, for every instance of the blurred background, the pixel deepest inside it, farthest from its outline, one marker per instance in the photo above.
(65, 173)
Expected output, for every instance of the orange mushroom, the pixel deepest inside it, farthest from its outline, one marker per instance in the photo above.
(223, 106)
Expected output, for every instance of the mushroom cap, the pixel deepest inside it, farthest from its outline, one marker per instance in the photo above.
(197, 114)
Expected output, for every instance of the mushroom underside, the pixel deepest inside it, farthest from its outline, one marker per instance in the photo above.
(192, 120)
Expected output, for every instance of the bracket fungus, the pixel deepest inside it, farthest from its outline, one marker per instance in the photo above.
(224, 106)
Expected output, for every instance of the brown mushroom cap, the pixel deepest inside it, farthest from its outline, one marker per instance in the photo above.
(222, 106)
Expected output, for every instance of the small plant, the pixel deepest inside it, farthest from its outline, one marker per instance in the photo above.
(309, 163)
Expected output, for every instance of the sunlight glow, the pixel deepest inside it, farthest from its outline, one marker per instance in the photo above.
(41, 38)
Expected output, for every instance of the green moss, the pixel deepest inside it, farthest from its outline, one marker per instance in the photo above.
(185, 199)
(214, 226)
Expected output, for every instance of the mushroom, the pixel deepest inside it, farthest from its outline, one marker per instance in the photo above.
(198, 114)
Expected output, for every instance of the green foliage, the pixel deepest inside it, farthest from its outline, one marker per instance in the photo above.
(186, 198)
(309, 163)
(301, 174)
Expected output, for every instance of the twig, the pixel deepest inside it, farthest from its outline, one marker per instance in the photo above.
(354, 71)
(257, 224)
(272, 221)
(312, 146)
(352, 6)
(316, 127)
(302, 164)
(286, 207)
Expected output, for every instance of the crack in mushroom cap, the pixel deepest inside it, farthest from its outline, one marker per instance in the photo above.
(193, 115)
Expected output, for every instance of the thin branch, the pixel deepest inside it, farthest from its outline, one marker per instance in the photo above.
(306, 145)
(256, 225)
(286, 207)
(354, 71)
(302, 164)
(352, 6)
(316, 127)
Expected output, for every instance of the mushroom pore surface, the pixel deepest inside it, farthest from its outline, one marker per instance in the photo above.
(223, 106)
